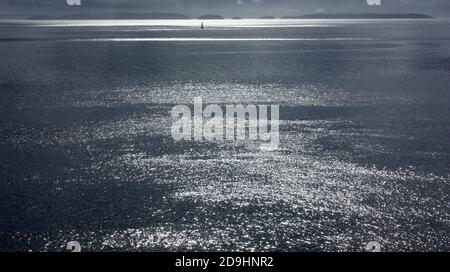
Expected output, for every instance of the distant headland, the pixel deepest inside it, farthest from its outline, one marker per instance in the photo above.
(361, 16)
(211, 17)
(176, 16)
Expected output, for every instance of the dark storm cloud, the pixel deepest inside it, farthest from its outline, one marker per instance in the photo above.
(251, 8)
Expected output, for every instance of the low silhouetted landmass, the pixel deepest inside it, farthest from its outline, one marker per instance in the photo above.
(211, 17)
(174, 16)
(362, 16)
(43, 17)
(114, 16)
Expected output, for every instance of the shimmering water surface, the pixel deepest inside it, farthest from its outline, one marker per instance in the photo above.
(86, 152)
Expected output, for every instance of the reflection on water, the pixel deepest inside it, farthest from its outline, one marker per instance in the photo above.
(210, 39)
(86, 152)
(242, 23)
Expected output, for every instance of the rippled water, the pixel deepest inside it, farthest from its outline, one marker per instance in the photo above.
(86, 152)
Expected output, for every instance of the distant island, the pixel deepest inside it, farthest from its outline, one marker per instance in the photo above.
(176, 16)
(361, 16)
(211, 17)
(42, 17)
(115, 16)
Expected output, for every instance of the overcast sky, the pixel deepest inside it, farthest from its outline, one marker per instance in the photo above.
(228, 8)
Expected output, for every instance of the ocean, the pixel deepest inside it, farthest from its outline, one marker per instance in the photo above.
(86, 152)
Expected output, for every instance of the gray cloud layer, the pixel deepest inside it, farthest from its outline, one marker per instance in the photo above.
(249, 8)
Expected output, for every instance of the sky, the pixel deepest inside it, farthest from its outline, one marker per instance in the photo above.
(227, 8)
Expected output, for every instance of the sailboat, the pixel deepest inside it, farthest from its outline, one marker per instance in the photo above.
(202, 26)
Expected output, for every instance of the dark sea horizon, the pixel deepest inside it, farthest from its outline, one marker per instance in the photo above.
(86, 152)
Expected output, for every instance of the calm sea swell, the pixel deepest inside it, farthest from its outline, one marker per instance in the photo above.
(86, 151)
